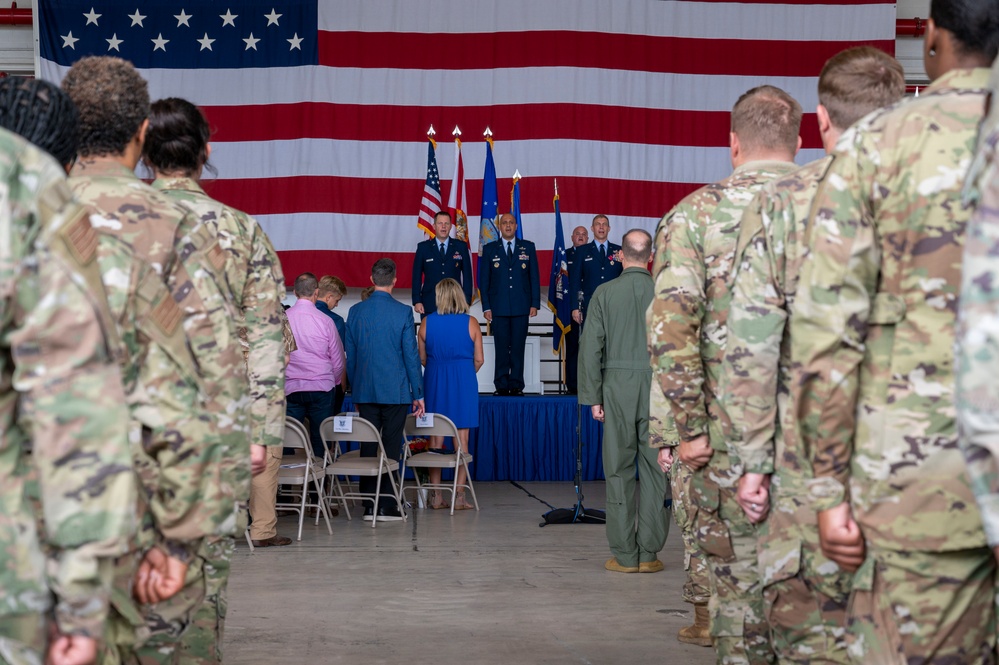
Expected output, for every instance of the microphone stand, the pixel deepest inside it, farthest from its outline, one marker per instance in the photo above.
(577, 514)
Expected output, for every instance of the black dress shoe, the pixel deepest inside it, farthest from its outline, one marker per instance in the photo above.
(390, 514)
(502, 392)
(516, 393)
(368, 513)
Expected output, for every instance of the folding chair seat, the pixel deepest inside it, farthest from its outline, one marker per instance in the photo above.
(299, 470)
(345, 466)
(443, 426)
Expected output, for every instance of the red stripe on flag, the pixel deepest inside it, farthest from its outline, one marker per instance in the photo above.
(559, 48)
(369, 196)
(510, 122)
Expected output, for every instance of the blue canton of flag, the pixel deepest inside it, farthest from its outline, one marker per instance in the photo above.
(558, 286)
(490, 201)
(161, 34)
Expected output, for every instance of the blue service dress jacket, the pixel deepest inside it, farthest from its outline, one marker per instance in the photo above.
(429, 269)
(383, 362)
(509, 287)
(590, 271)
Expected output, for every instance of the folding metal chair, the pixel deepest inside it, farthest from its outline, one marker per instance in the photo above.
(344, 466)
(443, 426)
(300, 469)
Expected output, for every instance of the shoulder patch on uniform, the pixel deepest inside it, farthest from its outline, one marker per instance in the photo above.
(166, 314)
(217, 256)
(81, 237)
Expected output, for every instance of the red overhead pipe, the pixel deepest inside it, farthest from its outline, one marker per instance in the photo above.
(910, 27)
(15, 16)
(904, 27)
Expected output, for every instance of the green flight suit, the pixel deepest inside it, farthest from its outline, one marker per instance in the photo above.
(614, 371)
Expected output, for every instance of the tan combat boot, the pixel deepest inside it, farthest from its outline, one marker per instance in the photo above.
(698, 633)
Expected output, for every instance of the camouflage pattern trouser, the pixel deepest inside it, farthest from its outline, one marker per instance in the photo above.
(804, 593)
(22, 639)
(923, 607)
(187, 628)
(739, 631)
(696, 589)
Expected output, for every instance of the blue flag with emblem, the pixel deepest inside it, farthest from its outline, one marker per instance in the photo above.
(490, 201)
(558, 285)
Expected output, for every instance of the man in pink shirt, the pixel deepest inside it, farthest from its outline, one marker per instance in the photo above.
(317, 367)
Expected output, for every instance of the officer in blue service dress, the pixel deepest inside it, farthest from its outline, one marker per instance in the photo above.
(511, 293)
(594, 263)
(438, 258)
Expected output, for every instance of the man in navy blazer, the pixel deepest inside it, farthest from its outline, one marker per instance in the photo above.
(383, 365)
(436, 259)
(511, 293)
(594, 263)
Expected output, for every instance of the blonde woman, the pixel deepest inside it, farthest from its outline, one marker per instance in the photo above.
(451, 349)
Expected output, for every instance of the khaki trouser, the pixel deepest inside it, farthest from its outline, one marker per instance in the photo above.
(263, 497)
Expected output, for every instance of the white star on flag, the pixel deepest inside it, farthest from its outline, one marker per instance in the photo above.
(137, 19)
(206, 42)
(69, 40)
(272, 18)
(160, 43)
(228, 18)
(92, 16)
(296, 42)
(182, 18)
(251, 42)
(114, 42)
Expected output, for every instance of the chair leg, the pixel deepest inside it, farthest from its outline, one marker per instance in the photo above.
(249, 541)
(301, 509)
(378, 489)
(471, 488)
(321, 507)
(397, 492)
(454, 488)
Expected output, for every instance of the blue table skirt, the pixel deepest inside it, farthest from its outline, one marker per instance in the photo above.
(531, 438)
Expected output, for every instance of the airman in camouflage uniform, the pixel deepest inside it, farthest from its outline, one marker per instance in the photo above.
(696, 245)
(696, 588)
(253, 274)
(872, 374)
(977, 341)
(805, 593)
(58, 355)
(203, 417)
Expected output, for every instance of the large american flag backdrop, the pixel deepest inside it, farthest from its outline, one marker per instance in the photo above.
(320, 109)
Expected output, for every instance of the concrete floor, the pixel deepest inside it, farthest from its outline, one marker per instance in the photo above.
(487, 587)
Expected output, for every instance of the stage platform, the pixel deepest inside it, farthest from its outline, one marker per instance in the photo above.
(531, 438)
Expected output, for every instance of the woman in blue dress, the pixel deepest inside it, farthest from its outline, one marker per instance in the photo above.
(451, 349)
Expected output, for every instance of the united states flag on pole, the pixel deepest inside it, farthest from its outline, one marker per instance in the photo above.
(430, 204)
(320, 108)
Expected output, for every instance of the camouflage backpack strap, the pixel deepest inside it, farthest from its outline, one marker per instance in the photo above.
(160, 319)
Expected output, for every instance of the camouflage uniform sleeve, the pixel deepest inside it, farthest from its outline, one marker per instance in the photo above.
(74, 406)
(266, 355)
(751, 367)
(676, 314)
(174, 467)
(837, 282)
(978, 348)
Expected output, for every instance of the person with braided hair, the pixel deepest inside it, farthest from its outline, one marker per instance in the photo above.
(43, 114)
